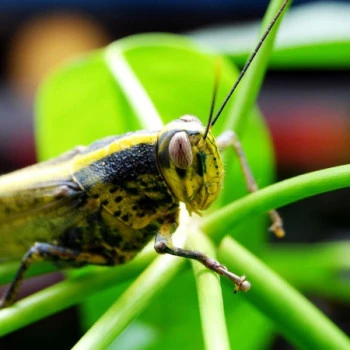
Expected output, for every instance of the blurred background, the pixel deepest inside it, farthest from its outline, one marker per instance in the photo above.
(307, 109)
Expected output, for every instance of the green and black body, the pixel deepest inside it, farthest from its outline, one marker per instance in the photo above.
(101, 204)
(108, 199)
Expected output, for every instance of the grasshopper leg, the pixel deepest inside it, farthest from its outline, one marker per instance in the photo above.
(163, 245)
(45, 251)
(229, 138)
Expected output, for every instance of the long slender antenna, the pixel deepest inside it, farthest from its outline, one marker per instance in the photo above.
(218, 65)
(251, 58)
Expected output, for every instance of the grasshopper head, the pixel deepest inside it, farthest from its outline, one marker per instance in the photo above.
(190, 165)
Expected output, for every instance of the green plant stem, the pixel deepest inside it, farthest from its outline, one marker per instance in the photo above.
(67, 293)
(300, 321)
(63, 295)
(211, 305)
(319, 268)
(130, 303)
(218, 224)
(250, 86)
(135, 93)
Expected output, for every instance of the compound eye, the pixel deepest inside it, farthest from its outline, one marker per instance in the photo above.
(180, 150)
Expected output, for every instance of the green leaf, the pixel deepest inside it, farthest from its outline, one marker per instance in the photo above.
(308, 267)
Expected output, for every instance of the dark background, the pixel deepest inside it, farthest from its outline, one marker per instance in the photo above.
(307, 110)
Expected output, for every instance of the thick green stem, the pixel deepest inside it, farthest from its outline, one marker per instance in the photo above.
(131, 303)
(67, 293)
(211, 305)
(218, 224)
(300, 321)
(134, 299)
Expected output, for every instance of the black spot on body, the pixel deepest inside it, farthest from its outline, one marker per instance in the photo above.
(93, 219)
(82, 199)
(146, 203)
(132, 190)
(104, 202)
(125, 217)
(113, 189)
(117, 213)
(72, 238)
(201, 163)
(181, 173)
(118, 199)
(114, 240)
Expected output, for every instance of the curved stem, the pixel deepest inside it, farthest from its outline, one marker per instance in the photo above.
(67, 293)
(219, 223)
(301, 322)
(130, 303)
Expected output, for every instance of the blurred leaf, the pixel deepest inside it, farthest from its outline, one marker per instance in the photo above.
(244, 319)
(72, 103)
(315, 35)
(321, 269)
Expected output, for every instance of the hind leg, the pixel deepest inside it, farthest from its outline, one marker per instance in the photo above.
(49, 252)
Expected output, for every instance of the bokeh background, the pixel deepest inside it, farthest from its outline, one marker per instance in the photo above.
(307, 110)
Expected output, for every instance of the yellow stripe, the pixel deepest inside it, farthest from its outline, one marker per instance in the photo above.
(84, 160)
(31, 177)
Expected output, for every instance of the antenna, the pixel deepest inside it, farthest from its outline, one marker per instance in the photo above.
(250, 60)
(218, 66)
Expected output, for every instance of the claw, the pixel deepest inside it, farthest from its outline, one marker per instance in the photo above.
(240, 282)
(277, 224)
(277, 230)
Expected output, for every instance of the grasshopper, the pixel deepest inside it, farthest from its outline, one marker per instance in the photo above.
(101, 204)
